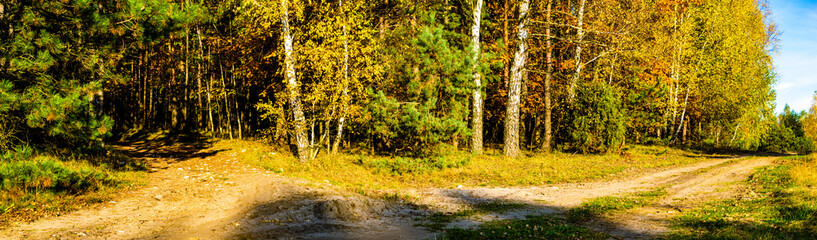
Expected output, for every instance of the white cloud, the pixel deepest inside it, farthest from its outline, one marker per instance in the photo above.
(783, 86)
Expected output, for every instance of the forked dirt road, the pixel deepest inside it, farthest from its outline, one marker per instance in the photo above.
(212, 195)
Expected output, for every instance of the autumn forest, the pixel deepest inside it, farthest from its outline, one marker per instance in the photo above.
(380, 96)
(395, 77)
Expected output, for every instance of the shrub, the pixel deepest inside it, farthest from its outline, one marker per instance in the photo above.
(406, 165)
(595, 121)
(46, 173)
(780, 138)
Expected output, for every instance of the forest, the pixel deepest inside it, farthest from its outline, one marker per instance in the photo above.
(394, 77)
(411, 80)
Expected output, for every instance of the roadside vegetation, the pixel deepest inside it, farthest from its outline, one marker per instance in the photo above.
(596, 207)
(363, 173)
(782, 204)
(533, 227)
(38, 184)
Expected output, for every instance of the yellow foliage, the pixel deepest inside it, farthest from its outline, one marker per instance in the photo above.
(810, 121)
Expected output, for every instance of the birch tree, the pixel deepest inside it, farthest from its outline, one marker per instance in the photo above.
(292, 87)
(476, 144)
(345, 83)
(515, 85)
(579, 65)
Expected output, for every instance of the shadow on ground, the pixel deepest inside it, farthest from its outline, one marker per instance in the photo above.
(311, 215)
(157, 153)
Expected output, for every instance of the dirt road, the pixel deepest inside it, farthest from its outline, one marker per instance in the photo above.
(208, 194)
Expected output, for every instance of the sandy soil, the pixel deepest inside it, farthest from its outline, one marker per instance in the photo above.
(200, 193)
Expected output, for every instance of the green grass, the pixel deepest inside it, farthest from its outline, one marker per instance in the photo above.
(439, 221)
(34, 184)
(609, 204)
(533, 227)
(372, 174)
(783, 206)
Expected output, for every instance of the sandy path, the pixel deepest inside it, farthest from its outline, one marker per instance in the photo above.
(686, 186)
(564, 196)
(212, 195)
(719, 183)
(218, 197)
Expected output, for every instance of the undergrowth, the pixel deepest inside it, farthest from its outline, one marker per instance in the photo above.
(784, 207)
(33, 184)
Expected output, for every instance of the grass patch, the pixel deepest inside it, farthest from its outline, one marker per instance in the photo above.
(602, 205)
(403, 165)
(785, 207)
(439, 221)
(533, 227)
(361, 172)
(32, 185)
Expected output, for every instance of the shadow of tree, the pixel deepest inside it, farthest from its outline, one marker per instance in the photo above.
(154, 154)
(499, 218)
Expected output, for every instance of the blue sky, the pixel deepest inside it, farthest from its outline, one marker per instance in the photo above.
(796, 64)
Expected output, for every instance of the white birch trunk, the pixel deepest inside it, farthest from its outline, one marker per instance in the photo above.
(345, 96)
(292, 85)
(515, 85)
(579, 38)
(476, 143)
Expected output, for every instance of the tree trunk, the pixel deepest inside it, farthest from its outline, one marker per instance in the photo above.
(515, 85)
(238, 112)
(684, 135)
(209, 91)
(683, 114)
(292, 85)
(384, 24)
(579, 39)
(345, 96)
(226, 105)
(210, 106)
(171, 93)
(548, 75)
(476, 143)
(505, 32)
(143, 84)
(186, 106)
(200, 108)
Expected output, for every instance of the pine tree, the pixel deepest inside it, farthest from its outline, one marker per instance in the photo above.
(425, 101)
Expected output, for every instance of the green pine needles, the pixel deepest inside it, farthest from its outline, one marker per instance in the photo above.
(595, 121)
(432, 107)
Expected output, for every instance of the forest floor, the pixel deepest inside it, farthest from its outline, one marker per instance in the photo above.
(201, 192)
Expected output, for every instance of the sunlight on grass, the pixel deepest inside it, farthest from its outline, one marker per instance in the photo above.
(805, 173)
(37, 184)
(782, 206)
(439, 221)
(364, 172)
(533, 227)
(607, 204)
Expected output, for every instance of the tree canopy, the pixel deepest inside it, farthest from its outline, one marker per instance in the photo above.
(393, 76)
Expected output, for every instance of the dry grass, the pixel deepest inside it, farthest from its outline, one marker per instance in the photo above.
(42, 185)
(492, 169)
(805, 174)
